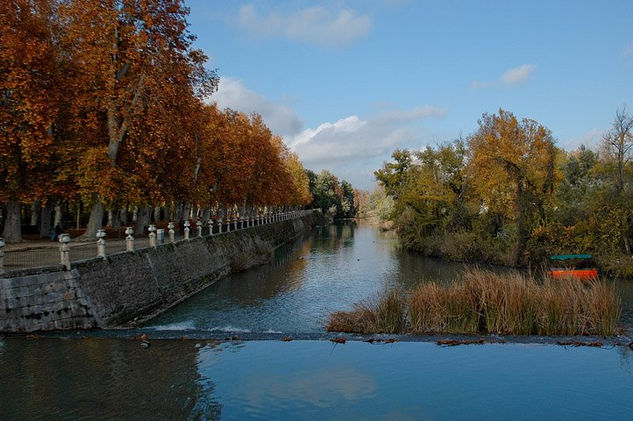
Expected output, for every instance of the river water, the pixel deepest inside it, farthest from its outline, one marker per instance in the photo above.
(106, 376)
(332, 269)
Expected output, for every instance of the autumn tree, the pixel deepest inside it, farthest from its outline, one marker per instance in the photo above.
(512, 166)
(30, 93)
(126, 53)
(300, 183)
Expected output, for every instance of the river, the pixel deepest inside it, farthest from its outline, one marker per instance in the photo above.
(106, 375)
(330, 270)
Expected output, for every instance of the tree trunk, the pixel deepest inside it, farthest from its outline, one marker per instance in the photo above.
(156, 214)
(58, 215)
(123, 217)
(178, 209)
(35, 213)
(625, 232)
(95, 221)
(116, 219)
(13, 224)
(45, 220)
(142, 219)
(521, 221)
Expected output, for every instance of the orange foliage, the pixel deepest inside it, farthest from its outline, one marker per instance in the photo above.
(107, 100)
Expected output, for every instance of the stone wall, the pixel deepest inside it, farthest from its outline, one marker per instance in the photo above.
(128, 288)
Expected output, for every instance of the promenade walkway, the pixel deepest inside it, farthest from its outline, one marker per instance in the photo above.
(37, 253)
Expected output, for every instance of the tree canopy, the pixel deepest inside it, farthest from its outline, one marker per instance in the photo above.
(106, 102)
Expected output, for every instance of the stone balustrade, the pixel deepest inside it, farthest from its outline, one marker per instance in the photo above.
(231, 223)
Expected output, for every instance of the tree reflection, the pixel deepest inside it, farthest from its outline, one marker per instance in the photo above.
(103, 378)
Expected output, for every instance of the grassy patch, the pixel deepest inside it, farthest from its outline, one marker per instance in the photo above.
(384, 315)
(485, 302)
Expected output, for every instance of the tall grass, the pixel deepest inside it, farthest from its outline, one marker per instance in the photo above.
(486, 302)
(382, 315)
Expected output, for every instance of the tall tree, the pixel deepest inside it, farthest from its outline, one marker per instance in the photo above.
(126, 52)
(618, 150)
(30, 82)
(512, 166)
(393, 175)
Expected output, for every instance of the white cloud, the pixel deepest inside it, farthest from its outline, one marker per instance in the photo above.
(314, 25)
(518, 75)
(232, 93)
(515, 76)
(353, 147)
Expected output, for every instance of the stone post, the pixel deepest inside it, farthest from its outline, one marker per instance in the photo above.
(152, 235)
(2, 244)
(64, 250)
(172, 233)
(220, 226)
(199, 227)
(101, 251)
(241, 218)
(129, 240)
(210, 225)
(234, 223)
(187, 225)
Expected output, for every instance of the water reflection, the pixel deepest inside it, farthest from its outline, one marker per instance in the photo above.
(116, 378)
(332, 269)
(102, 378)
(311, 380)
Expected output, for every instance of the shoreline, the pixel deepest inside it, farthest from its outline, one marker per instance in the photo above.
(625, 340)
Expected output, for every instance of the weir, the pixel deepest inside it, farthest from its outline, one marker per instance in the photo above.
(125, 289)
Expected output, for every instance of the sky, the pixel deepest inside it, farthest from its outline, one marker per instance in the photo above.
(346, 82)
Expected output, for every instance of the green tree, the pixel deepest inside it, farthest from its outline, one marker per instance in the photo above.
(393, 175)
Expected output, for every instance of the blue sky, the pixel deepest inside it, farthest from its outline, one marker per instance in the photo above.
(346, 82)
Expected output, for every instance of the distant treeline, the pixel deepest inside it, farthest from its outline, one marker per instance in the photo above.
(338, 199)
(506, 194)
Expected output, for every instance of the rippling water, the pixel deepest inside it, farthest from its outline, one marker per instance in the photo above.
(331, 270)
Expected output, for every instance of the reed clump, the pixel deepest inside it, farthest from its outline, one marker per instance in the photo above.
(386, 314)
(485, 302)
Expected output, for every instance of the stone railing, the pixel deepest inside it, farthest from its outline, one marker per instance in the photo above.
(211, 227)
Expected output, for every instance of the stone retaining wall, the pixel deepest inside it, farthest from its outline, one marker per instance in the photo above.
(128, 288)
